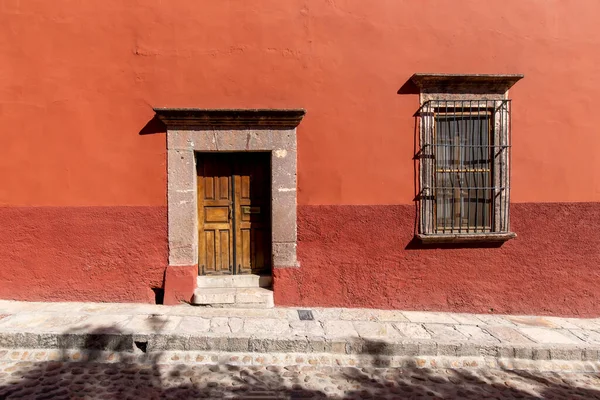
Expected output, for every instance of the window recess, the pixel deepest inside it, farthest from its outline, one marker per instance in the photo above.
(464, 163)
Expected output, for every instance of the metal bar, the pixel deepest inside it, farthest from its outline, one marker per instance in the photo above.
(459, 153)
(508, 161)
(457, 143)
(450, 170)
(472, 133)
(501, 175)
(476, 183)
(433, 203)
(451, 162)
(491, 161)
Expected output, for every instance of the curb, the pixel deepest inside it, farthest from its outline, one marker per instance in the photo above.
(156, 342)
(296, 361)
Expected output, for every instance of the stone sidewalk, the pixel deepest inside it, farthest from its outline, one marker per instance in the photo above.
(332, 337)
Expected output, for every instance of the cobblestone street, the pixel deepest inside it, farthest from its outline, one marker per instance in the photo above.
(92, 380)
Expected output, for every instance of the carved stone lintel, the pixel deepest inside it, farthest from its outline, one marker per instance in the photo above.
(465, 83)
(202, 119)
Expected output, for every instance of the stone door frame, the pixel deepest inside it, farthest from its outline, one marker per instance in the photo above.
(190, 131)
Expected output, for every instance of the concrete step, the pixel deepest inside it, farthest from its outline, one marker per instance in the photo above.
(234, 297)
(235, 281)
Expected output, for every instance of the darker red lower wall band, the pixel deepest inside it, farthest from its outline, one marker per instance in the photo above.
(115, 254)
(350, 256)
(365, 256)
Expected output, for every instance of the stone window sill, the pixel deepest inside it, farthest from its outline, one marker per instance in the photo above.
(466, 237)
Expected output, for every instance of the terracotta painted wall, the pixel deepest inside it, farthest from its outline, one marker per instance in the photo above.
(78, 80)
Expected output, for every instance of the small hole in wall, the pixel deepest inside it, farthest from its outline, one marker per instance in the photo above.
(159, 295)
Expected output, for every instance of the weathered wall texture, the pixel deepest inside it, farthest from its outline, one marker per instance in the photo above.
(83, 193)
(365, 255)
(82, 253)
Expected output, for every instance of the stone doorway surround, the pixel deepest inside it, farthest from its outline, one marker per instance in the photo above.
(191, 130)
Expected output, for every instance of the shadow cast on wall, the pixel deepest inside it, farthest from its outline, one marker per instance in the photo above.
(155, 125)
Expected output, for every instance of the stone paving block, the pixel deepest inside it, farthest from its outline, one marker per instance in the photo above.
(12, 307)
(447, 349)
(24, 322)
(584, 323)
(220, 325)
(495, 320)
(379, 330)
(428, 348)
(308, 328)
(105, 341)
(540, 353)
(338, 329)
(214, 296)
(548, 336)
(590, 337)
(591, 354)
(521, 351)
(236, 324)
(566, 353)
(526, 321)
(62, 323)
(507, 334)
(177, 342)
(194, 325)
(237, 343)
(411, 330)
(18, 339)
(102, 323)
(359, 314)
(326, 314)
(429, 317)
(444, 333)
(476, 333)
(285, 345)
(99, 307)
(317, 344)
(561, 322)
(467, 319)
(391, 316)
(269, 326)
(252, 295)
(469, 349)
(410, 349)
(153, 323)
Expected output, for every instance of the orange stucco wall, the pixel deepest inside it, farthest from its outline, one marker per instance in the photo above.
(83, 191)
(78, 80)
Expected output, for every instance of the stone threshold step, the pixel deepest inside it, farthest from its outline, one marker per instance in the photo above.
(234, 281)
(120, 341)
(240, 297)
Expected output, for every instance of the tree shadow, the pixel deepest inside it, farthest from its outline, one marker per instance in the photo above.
(103, 366)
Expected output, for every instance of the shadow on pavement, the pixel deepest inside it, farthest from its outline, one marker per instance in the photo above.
(87, 374)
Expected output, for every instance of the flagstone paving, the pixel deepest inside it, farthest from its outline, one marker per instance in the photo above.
(132, 351)
(332, 331)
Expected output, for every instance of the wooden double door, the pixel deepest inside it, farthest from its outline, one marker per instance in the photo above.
(234, 213)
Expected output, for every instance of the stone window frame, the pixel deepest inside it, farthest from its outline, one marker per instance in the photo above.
(193, 130)
(475, 87)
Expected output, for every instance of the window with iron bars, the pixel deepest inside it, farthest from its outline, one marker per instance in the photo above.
(464, 169)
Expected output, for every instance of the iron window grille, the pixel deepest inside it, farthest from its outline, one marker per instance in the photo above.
(464, 162)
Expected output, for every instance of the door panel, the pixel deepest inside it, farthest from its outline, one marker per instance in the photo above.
(214, 211)
(253, 213)
(234, 213)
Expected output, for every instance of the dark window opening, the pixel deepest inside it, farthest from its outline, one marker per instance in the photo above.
(464, 166)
